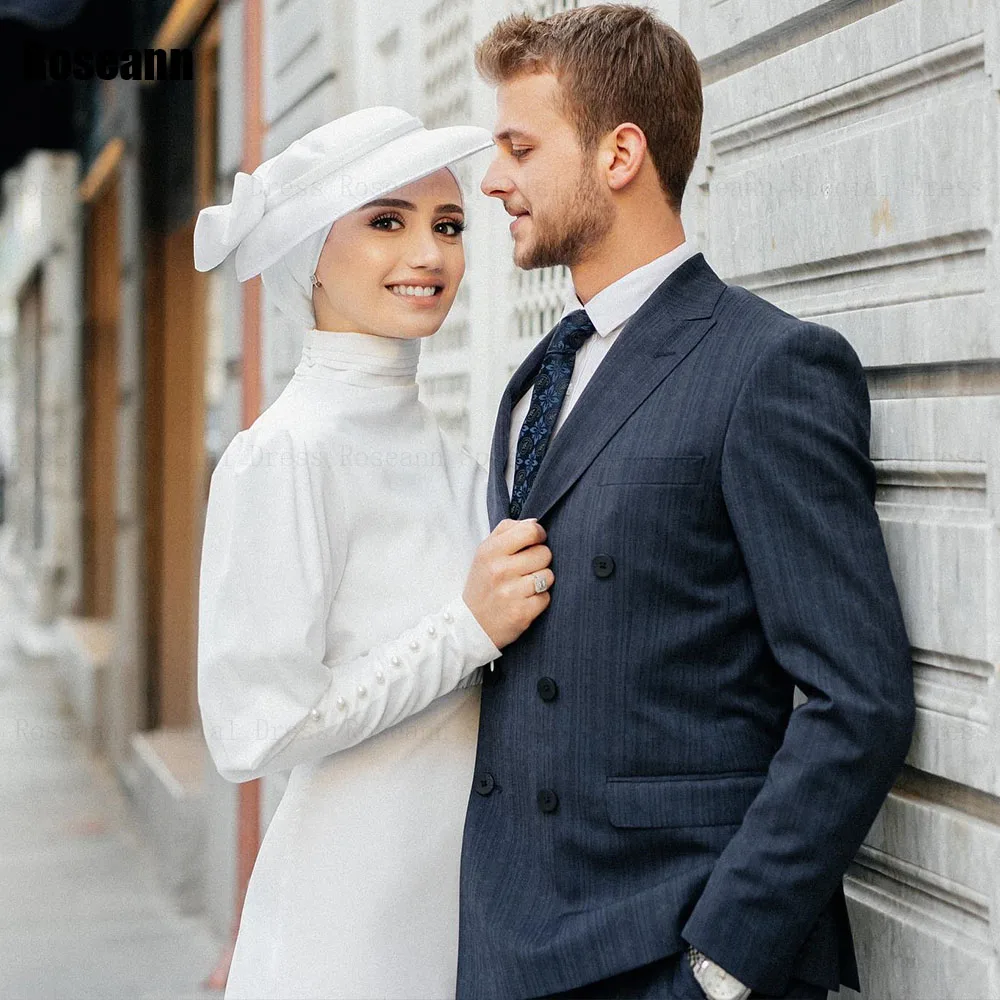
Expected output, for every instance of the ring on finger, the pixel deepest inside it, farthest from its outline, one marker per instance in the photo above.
(540, 582)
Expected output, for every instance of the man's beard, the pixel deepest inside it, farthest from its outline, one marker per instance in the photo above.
(586, 220)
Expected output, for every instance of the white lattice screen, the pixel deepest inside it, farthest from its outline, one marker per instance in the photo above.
(446, 64)
(524, 305)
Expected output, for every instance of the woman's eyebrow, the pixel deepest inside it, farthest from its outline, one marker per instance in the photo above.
(400, 203)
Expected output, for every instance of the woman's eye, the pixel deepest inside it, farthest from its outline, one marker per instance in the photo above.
(456, 227)
(519, 154)
(378, 222)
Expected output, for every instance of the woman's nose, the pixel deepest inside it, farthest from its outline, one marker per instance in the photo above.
(425, 251)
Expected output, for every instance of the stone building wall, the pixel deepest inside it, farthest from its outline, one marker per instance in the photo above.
(41, 242)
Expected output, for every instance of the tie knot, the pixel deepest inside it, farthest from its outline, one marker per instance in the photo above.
(571, 333)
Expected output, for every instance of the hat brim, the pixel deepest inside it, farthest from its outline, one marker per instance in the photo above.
(392, 166)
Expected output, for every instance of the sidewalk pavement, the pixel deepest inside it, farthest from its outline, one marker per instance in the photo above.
(82, 916)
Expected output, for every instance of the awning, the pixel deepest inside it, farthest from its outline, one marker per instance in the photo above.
(41, 13)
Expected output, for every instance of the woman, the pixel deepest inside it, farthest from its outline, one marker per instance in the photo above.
(335, 635)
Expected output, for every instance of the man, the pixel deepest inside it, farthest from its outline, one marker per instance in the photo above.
(649, 815)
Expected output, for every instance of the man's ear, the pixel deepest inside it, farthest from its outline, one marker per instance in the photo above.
(623, 152)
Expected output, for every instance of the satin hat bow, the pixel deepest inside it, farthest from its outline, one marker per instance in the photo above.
(221, 228)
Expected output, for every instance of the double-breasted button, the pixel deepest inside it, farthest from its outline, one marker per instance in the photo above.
(603, 566)
(547, 688)
(548, 801)
(485, 783)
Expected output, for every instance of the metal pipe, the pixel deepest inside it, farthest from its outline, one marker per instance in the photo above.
(248, 807)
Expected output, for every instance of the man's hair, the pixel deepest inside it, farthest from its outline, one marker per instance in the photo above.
(615, 63)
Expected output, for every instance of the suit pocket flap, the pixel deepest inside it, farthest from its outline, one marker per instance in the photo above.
(663, 469)
(703, 800)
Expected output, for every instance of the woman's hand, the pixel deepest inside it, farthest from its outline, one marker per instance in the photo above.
(500, 587)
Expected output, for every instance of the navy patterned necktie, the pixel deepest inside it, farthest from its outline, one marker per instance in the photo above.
(547, 395)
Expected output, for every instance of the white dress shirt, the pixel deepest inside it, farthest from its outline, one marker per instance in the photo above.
(608, 310)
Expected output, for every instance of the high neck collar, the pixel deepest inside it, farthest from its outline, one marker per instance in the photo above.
(393, 357)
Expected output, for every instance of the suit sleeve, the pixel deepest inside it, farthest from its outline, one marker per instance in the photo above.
(271, 692)
(799, 488)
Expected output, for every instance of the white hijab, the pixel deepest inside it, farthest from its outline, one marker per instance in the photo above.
(288, 281)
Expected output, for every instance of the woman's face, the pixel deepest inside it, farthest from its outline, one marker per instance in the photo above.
(378, 263)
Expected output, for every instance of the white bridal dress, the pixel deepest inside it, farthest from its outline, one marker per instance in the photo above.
(334, 642)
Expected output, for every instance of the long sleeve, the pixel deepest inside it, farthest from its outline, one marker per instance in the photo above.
(799, 488)
(271, 694)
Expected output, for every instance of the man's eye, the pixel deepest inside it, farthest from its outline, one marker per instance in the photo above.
(519, 153)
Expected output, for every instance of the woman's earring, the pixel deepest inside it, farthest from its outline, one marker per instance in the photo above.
(314, 279)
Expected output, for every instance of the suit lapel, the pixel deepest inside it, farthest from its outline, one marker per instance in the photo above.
(669, 324)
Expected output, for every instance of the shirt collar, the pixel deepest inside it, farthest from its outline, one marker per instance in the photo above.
(613, 305)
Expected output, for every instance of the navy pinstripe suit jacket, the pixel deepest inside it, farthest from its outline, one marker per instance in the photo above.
(641, 779)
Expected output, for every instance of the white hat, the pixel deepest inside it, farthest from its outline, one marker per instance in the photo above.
(329, 172)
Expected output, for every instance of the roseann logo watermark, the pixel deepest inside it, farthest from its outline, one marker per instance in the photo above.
(41, 64)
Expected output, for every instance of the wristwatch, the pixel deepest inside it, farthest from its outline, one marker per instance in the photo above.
(715, 982)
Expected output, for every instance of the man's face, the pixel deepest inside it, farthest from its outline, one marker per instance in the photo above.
(543, 178)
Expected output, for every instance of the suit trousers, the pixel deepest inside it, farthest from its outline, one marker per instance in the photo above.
(670, 978)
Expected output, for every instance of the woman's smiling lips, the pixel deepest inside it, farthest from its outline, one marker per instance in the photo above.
(416, 293)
